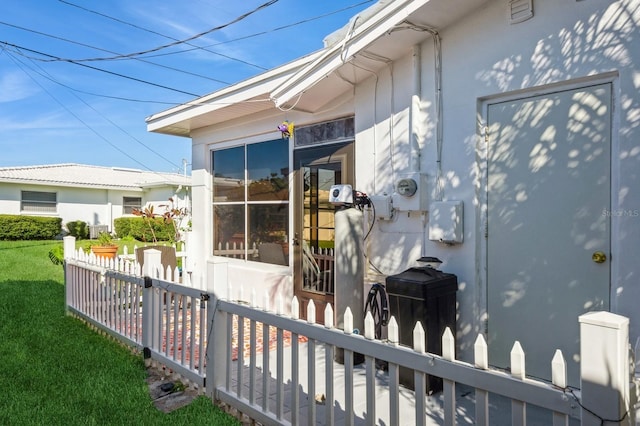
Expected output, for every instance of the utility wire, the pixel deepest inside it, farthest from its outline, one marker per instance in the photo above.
(17, 49)
(47, 76)
(283, 27)
(81, 120)
(160, 34)
(105, 50)
(178, 42)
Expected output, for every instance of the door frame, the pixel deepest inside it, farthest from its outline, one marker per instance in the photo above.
(323, 154)
(481, 194)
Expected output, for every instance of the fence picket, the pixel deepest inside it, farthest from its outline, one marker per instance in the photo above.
(481, 360)
(295, 308)
(559, 379)
(449, 386)
(518, 408)
(311, 312)
(328, 316)
(369, 326)
(392, 331)
(419, 377)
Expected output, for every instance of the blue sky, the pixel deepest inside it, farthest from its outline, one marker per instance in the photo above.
(93, 110)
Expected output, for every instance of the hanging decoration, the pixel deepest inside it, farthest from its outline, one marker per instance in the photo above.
(286, 128)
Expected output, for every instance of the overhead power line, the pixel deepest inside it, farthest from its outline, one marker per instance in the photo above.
(104, 50)
(17, 49)
(121, 21)
(178, 42)
(273, 30)
(44, 74)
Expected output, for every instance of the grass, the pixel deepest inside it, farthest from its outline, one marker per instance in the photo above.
(55, 370)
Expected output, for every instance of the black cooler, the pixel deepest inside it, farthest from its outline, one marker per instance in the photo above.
(427, 295)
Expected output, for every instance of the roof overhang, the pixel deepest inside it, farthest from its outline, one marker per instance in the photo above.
(370, 42)
(388, 31)
(245, 98)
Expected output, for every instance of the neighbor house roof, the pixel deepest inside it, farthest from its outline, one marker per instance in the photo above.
(86, 176)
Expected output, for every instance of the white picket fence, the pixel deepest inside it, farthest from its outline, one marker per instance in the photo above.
(173, 325)
(236, 250)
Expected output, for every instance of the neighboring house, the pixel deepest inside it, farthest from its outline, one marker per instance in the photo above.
(96, 195)
(519, 122)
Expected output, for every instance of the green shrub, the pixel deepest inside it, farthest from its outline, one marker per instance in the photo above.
(122, 226)
(78, 229)
(138, 228)
(15, 227)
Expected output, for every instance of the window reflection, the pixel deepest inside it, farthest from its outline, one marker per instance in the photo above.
(252, 225)
(270, 224)
(268, 170)
(229, 235)
(228, 174)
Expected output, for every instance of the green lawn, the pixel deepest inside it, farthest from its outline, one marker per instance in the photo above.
(55, 370)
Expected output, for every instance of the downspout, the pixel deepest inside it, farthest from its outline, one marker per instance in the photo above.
(414, 111)
(437, 47)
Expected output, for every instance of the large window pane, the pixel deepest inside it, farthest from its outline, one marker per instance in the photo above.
(131, 203)
(250, 202)
(268, 170)
(269, 224)
(38, 202)
(229, 236)
(228, 174)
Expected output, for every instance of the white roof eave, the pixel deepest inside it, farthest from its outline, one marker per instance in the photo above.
(394, 13)
(255, 89)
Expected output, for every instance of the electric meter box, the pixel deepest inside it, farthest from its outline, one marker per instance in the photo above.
(446, 222)
(410, 192)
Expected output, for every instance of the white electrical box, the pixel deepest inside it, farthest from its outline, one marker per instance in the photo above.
(341, 194)
(446, 222)
(382, 205)
(411, 192)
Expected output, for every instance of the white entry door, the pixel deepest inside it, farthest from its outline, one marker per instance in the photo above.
(548, 223)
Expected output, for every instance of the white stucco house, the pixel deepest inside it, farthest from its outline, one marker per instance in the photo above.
(96, 195)
(519, 123)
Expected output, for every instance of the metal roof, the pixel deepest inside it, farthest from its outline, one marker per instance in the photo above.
(87, 176)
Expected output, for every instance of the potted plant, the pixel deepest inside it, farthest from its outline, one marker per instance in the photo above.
(105, 247)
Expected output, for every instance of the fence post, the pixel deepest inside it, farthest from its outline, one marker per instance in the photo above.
(217, 341)
(69, 248)
(604, 369)
(152, 263)
(147, 320)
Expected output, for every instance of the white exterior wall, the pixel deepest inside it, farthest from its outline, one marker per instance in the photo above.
(486, 57)
(94, 206)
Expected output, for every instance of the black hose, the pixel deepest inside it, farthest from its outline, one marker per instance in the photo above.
(378, 306)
